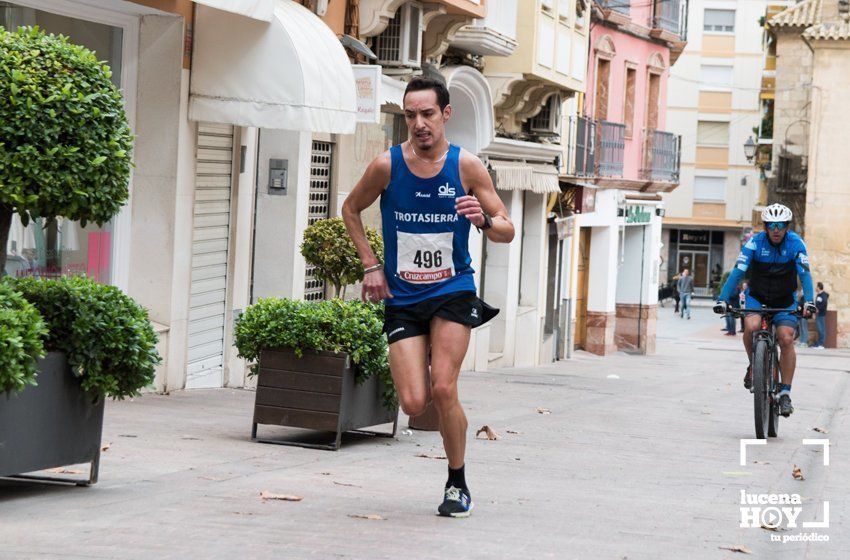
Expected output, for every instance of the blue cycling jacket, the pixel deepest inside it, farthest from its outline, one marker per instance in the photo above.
(772, 270)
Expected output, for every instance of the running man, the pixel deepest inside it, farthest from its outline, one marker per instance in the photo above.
(431, 191)
(773, 259)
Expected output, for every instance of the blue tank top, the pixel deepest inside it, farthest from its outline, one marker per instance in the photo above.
(426, 242)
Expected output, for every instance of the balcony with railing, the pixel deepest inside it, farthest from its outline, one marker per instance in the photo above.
(581, 158)
(610, 148)
(661, 156)
(669, 19)
(616, 11)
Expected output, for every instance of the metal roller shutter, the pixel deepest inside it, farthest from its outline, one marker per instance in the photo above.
(319, 207)
(210, 240)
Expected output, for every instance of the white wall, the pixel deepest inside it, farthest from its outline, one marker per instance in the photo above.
(279, 268)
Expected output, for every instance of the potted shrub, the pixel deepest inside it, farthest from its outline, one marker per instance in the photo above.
(320, 365)
(99, 344)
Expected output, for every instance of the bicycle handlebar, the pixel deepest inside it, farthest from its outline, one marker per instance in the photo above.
(763, 311)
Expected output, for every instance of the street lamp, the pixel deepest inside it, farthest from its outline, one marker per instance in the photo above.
(750, 149)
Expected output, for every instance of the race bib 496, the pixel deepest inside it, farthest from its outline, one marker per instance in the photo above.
(425, 258)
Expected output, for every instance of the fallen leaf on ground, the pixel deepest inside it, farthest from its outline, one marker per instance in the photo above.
(190, 438)
(62, 470)
(541, 410)
(266, 495)
(346, 484)
(213, 478)
(426, 456)
(774, 529)
(106, 446)
(487, 431)
(407, 432)
(513, 432)
(370, 517)
(244, 513)
(821, 430)
(761, 462)
(326, 473)
(705, 412)
(737, 548)
(797, 473)
(127, 435)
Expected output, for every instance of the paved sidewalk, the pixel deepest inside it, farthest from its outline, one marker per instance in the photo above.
(637, 459)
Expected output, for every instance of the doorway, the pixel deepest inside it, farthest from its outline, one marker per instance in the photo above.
(583, 267)
(697, 263)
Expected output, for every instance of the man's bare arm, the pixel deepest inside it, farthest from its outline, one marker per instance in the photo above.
(477, 182)
(365, 193)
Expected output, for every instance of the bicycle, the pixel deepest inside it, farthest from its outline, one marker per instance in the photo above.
(765, 371)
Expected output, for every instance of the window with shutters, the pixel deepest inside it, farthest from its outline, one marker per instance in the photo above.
(318, 208)
(711, 133)
(709, 189)
(719, 21)
(714, 77)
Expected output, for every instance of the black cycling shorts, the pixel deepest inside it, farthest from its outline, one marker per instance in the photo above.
(415, 320)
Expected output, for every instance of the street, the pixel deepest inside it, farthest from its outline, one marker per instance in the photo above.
(619, 457)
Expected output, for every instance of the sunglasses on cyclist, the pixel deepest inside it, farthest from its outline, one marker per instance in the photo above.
(776, 225)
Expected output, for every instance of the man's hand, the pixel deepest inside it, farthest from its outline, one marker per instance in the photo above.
(721, 307)
(809, 309)
(470, 207)
(375, 287)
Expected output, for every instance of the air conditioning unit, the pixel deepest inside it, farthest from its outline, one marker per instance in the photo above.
(400, 45)
(548, 121)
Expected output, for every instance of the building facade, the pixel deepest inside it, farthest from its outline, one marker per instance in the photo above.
(714, 104)
(620, 160)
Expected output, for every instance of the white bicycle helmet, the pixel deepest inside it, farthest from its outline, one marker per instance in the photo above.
(777, 213)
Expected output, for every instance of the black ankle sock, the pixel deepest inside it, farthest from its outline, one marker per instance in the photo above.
(457, 479)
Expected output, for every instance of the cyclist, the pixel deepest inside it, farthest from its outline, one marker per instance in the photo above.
(772, 260)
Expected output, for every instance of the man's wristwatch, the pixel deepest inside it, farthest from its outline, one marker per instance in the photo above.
(488, 220)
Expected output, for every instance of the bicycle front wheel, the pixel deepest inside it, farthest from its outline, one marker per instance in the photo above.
(761, 387)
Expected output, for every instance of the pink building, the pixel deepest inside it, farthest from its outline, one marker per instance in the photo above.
(619, 161)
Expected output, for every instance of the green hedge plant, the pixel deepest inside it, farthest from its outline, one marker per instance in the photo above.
(350, 327)
(328, 247)
(22, 334)
(64, 139)
(107, 337)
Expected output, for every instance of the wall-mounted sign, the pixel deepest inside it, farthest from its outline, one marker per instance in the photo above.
(367, 84)
(693, 237)
(638, 214)
(585, 200)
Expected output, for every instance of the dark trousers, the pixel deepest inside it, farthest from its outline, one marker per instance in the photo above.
(820, 319)
(730, 323)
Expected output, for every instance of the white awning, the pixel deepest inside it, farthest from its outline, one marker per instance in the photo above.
(291, 73)
(511, 175)
(544, 178)
(521, 176)
(256, 9)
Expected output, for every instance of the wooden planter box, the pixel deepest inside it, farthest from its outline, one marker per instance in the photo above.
(317, 392)
(50, 425)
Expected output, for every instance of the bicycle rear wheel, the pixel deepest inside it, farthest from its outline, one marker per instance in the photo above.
(761, 387)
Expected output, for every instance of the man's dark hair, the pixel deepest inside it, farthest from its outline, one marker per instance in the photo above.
(820, 286)
(421, 83)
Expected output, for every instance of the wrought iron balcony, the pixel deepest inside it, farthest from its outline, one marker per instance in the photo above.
(670, 16)
(661, 156)
(610, 148)
(622, 6)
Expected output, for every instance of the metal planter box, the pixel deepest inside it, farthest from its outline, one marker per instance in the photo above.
(317, 391)
(50, 425)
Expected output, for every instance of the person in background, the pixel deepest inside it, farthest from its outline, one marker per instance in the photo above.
(735, 302)
(821, 301)
(676, 297)
(686, 292)
(742, 301)
(803, 323)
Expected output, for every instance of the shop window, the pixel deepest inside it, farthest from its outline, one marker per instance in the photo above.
(63, 247)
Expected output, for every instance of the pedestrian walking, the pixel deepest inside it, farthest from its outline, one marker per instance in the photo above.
(676, 296)
(686, 292)
(431, 191)
(742, 301)
(821, 302)
(802, 323)
(734, 302)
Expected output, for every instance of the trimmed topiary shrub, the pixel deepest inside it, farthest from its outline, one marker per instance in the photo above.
(107, 336)
(328, 247)
(22, 333)
(64, 139)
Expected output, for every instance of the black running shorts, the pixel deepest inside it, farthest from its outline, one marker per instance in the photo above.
(415, 320)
